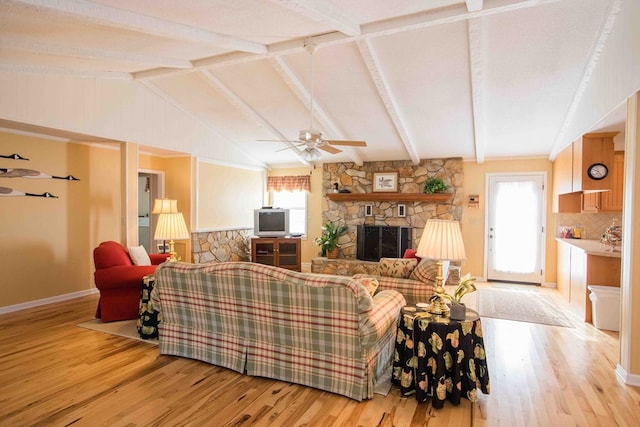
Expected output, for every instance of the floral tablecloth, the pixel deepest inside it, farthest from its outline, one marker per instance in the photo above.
(148, 317)
(440, 358)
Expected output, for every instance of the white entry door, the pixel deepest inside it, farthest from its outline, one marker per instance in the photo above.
(515, 239)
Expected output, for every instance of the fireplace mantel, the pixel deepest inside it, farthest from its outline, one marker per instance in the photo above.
(390, 197)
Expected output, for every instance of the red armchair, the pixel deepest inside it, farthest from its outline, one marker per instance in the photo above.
(119, 280)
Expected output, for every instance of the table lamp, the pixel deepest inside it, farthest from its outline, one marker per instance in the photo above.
(171, 225)
(441, 240)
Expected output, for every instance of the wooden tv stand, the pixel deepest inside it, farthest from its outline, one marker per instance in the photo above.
(283, 252)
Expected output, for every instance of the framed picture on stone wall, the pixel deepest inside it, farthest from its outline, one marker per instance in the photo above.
(385, 182)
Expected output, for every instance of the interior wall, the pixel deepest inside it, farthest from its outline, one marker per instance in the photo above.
(473, 219)
(177, 175)
(227, 196)
(46, 244)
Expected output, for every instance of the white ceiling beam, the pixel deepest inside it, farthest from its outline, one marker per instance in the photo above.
(562, 140)
(473, 5)
(386, 94)
(378, 29)
(324, 120)
(249, 112)
(45, 48)
(119, 18)
(171, 100)
(62, 71)
(324, 13)
(476, 65)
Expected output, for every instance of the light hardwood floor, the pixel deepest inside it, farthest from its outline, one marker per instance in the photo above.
(53, 373)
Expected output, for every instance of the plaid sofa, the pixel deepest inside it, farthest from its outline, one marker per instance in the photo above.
(322, 331)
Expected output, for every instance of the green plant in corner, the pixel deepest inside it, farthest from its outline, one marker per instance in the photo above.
(434, 185)
(330, 234)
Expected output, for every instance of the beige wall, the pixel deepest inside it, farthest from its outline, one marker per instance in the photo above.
(46, 244)
(314, 208)
(177, 176)
(473, 219)
(227, 196)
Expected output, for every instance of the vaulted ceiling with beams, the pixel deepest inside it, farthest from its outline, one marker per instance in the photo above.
(478, 79)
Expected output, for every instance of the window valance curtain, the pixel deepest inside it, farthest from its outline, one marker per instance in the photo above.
(289, 183)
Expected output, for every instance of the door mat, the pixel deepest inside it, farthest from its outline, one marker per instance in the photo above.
(123, 328)
(521, 306)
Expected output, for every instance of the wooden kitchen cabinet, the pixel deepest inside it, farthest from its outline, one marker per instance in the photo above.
(612, 200)
(573, 190)
(280, 252)
(580, 265)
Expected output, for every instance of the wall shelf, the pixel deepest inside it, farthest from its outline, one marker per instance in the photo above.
(390, 197)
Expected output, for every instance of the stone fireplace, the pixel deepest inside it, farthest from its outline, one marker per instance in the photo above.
(350, 209)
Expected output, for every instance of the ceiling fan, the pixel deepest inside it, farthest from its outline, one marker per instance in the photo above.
(310, 141)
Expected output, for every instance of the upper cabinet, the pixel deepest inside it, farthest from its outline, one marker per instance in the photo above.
(586, 166)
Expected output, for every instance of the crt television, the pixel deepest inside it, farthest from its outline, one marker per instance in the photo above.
(271, 222)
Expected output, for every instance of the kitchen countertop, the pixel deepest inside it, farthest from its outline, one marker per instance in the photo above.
(590, 247)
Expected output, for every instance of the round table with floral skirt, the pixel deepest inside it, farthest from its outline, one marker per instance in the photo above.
(440, 358)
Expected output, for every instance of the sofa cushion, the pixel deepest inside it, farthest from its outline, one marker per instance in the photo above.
(139, 255)
(396, 267)
(426, 271)
(370, 284)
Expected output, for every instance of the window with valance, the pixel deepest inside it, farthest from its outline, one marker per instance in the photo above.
(289, 183)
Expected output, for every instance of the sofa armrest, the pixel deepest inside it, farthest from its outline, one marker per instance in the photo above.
(157, 259)
(384, 314)
(413, 291)
(122, 277)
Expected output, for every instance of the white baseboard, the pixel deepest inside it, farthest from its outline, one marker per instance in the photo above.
(625, 377)
(45, 301)
(549, 285)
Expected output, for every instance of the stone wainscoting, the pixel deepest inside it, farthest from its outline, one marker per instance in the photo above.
(220, 246)
(411, 178)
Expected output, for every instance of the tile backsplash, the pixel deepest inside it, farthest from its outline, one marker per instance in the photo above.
(594, 224)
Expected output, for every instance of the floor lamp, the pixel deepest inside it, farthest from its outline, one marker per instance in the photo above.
(441, 240)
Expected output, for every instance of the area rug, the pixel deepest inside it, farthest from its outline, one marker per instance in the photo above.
(124, 328)
(520, 305)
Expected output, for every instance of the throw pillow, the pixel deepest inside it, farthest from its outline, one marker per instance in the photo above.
(426, 271)
(400, 268)
(139, 255)
(370, 284)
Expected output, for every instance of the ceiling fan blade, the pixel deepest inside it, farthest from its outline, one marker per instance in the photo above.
(329, 149)
(347, 142)
(278, 140)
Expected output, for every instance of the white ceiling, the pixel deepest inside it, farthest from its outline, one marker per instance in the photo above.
(413, 78)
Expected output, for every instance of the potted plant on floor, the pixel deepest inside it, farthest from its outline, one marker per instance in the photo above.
(457, 309)
(329, 239)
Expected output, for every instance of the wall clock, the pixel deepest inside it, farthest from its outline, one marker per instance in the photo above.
(597, 171)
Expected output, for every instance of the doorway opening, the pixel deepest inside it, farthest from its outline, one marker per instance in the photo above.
(515, 222)
(150, 187)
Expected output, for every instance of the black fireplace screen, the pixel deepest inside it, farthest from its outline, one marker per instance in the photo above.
(375, 242)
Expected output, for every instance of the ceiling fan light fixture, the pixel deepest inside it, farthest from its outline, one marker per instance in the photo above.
(310, 154)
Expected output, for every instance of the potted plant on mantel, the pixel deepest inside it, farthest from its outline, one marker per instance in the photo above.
(329, 239)
(434, 185)
(458, 310)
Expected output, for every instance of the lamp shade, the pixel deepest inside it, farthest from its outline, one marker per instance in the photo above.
(441, 240)
(171, 226)
(161, 206)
